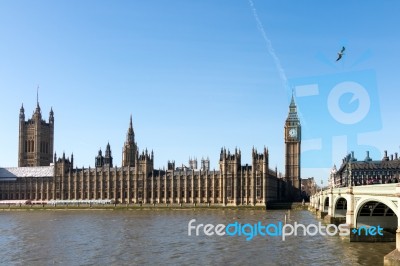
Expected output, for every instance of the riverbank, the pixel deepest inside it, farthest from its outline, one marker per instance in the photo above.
(149, 207)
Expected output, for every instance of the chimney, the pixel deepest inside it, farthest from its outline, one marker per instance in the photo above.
(391, 157)
(367, 158)
(395, 155)
(385, 158)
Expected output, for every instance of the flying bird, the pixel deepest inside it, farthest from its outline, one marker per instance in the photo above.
(340, 54)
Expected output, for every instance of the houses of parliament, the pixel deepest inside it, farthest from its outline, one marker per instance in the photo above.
(42, 175)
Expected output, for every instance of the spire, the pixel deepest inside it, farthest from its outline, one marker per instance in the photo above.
(37, 99)
(293, 109)
(292, 102)
(130, 135)
(108, 151)
(37, 112)
(108, 159)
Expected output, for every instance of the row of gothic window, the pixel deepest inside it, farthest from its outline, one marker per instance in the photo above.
(30, 146)
(16, 196)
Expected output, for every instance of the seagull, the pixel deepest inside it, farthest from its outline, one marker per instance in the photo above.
(340, 54)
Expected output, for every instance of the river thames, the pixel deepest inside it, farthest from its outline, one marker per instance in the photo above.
(159, 237)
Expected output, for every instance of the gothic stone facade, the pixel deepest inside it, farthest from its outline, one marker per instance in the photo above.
(36, 139)
(366, 172)
(136, 181)
(233, 184)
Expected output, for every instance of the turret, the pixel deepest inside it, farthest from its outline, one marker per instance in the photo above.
(130, 135)
(99, 160)
(22, 114)
(231, 161)
(205, 164)
(22, 141)
(193, 163)
(51, 116)
(171, 165)
(108, 150)
(37, 114)
(108, 159)
(130, 148)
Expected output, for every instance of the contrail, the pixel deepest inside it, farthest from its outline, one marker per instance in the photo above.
(271, 50)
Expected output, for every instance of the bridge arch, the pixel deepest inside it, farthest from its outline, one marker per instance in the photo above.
(326, 204)
(373, 212)
(340, 207)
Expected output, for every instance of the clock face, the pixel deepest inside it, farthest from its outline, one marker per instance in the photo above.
(293, 132)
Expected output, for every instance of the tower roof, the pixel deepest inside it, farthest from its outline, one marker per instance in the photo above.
(293, 110)
(292, 102)
(130, 135)
(108, 151)
(22, 113)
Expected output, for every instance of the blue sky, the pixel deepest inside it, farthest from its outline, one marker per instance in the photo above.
(195, 75)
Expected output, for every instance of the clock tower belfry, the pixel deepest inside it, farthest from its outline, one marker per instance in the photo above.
(292, 151)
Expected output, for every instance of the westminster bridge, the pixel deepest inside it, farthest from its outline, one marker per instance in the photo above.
(363, 206)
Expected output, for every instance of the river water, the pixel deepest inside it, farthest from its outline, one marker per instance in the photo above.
(160, 237)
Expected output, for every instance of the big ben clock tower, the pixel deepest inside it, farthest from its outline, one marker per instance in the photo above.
(292, 151)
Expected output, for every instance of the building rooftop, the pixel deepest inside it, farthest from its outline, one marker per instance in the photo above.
(386, 163)
(11, 173)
